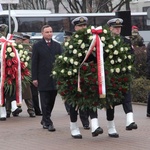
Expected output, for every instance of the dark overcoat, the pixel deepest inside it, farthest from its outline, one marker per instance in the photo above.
(43, 58)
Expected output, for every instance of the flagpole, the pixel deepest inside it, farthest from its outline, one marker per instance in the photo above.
(9, 18)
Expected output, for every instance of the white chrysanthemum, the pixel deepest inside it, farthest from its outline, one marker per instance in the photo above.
(23, 56)
(69, 73)
(121, 49)
(91, 37)
(125, 57)
(129, 67)
(70, 46)
(123, 69)
(60, 57)
(88, 30)
(129, 57)
(25, 52)
(112, 61)
(110, 46)
(103, 38)
(119, 60)
(115, 43)
(117, 70)
(126, 48)
(110, 56)
(8, 44)
(79, 54)
(12, 54)
(76, 36)
(76, 63)
(66, 43)
(105, 31)
(82, 45)
(74, 51)
(75, 70)
(20, 46)
(116, 52)
(62, 71)
(119, 40)
(54, 72)
(14, 44)
(107, 50)
(21, 52)
(27, 58)
(26, 64)
(85, 51)
(22, 59)
(94, 49)
(103, 44)
(71, 61)
(111, 70)
(79, 42)
(65, 58)
(9, 49)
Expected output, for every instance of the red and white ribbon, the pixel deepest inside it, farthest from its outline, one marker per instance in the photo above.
(4, 41)
(96, 42)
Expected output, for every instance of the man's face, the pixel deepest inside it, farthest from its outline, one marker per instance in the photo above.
(26, 41)
(79, 27)
(115, 30)
(47, 33)
(18, 40)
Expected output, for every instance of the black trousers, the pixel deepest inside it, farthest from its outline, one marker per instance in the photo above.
(74, 114)
(127, 107)
(148, 104)
(9, 99)
(35, 99)
(84, 117)
(47, 99)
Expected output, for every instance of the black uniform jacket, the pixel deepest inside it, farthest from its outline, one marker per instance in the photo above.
(43, 58)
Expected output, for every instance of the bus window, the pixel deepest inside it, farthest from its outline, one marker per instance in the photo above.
(4, 20)
(58, 24)
(140, 21)
(30, 24)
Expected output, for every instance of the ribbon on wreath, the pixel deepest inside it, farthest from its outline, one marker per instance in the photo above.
(96, 42)
(4, 42)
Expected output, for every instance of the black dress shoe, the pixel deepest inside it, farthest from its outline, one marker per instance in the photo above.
(98, 131)
(51, 128)
(38, 114)
(78, 136)
(3, 119)
(45, 126)
(133, 125)
(114, 135)
(148, 115)
(32, 115)
(86, 127)
(8, 116)
(16, 112)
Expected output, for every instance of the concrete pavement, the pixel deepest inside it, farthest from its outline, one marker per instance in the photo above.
(25, 133)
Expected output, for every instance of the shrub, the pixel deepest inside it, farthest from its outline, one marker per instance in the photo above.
(140, 88)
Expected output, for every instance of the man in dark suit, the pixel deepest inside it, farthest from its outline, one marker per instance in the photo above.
(43, 57)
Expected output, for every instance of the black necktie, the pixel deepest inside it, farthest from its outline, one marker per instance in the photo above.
(48, 43)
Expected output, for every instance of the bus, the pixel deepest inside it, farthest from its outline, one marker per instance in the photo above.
(31, 21)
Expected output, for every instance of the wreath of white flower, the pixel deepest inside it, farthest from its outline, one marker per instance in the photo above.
(118, 67)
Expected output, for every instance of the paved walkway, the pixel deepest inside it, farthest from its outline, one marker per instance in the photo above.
(25, 133)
